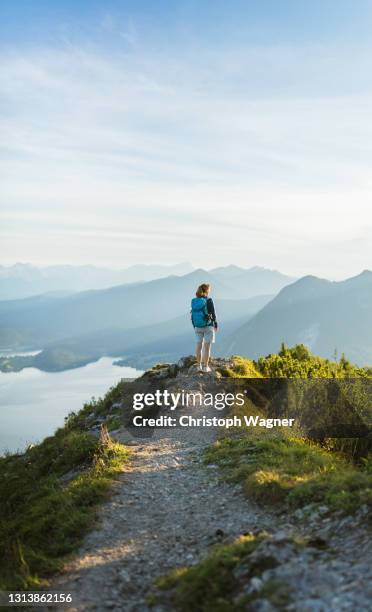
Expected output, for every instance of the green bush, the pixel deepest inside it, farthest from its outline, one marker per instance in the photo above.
(298, 362)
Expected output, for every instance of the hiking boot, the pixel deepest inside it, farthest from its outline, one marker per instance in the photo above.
(206, 369)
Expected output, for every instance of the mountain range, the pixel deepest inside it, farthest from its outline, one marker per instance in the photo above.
(331, 318)
(38, 320)
(25, 280)
(150, 321)
(143, 346)
(143, 321)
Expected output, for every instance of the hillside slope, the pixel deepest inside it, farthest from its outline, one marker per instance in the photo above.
(179, 531)
(326, 316)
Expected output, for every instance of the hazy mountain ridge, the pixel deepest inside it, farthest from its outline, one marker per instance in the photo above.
(25, 280)
(41, 320)
(123, 306)
(252, 281)
(140, 345)
(326, 316)
(144, 321)
(152, 318)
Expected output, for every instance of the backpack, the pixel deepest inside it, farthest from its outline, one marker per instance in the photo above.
(199, 312)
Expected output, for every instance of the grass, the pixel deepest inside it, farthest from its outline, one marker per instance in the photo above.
(241, 368)
(50, 495)
(214, 585)
(292, 472)
(97, 407)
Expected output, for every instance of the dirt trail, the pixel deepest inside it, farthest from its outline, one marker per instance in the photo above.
(167, 509)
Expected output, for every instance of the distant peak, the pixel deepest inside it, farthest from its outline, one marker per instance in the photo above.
(228, 268)
(310, 278)
(365, 273)
(21, 264)
(364, 276)
(305, 287)
(198, 271)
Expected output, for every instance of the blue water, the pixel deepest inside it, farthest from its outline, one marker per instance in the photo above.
(33, 404)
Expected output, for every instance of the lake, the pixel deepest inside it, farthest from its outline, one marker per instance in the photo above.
(33, 403)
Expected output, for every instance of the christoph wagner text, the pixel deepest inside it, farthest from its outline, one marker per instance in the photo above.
(190, 421)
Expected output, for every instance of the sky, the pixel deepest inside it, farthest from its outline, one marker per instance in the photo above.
(202, 130)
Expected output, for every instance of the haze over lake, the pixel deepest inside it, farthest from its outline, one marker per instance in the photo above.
(34, 403)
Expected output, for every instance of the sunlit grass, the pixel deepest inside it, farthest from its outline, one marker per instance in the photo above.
(292, 471)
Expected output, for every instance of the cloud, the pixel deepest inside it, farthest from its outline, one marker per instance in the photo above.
(227, 155)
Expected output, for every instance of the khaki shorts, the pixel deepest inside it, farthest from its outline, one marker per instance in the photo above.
(206, 334)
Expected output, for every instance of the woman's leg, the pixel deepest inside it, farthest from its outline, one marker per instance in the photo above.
(199, 346)
(206, 353)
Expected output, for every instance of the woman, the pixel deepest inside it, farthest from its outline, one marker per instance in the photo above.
(203, 317)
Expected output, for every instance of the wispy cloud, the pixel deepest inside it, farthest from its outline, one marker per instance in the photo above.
(251, 154)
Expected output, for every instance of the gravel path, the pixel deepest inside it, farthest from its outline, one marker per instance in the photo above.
(167, 510)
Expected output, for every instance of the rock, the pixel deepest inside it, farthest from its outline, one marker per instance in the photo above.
(262, 605)
(363, 511)
(317, 542)
(256, 584)
(280, 536)
(272, 552)
(65, 478)
(123, 575)
(186, 362)
(114, 432)
(173, 369)
(160, 374)
(322, 510)
(95, 432)
(193, 370)
(313, 605)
